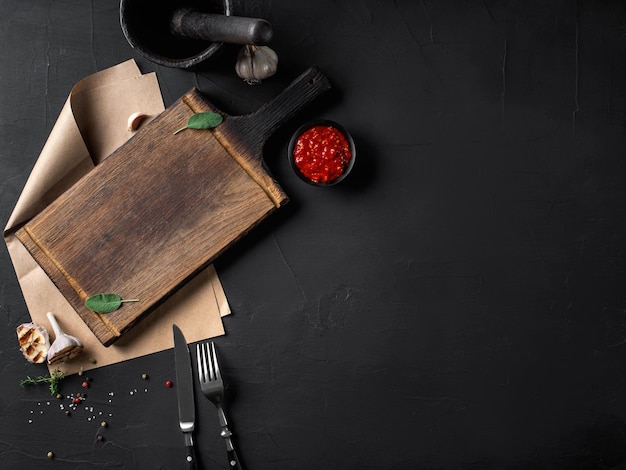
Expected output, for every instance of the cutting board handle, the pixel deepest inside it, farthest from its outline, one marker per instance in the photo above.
(247, 133)
(261, 124)
(244, 136)
(295, 97)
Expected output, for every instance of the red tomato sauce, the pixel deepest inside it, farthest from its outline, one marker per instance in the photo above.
(322, 154)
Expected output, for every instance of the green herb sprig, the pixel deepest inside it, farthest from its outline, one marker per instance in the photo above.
(206, 120)
(53, 380)
(106, 303)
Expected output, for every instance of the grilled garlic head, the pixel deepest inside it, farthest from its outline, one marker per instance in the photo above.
(34, 342)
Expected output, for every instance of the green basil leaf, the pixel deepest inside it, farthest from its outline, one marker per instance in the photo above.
(206, 120)
(106, 303)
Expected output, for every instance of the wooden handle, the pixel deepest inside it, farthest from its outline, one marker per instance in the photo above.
(244, 136)
(220, 28)
(266, 120)
(250, 131)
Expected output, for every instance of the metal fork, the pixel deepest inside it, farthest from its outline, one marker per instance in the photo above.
(213, 388)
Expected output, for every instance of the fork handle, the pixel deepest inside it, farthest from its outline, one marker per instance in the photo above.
(233, 460)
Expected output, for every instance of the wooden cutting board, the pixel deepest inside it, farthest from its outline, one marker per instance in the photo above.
(162, 207)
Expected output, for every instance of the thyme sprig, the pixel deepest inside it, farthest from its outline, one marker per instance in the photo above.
(53, 380)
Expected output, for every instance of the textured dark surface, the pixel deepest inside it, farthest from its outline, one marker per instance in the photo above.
(458, 303)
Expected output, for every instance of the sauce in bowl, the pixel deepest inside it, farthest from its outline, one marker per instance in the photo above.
(322, 153)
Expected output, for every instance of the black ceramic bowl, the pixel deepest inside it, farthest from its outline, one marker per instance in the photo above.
(332, 128)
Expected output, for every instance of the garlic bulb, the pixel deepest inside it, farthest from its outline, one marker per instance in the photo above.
(256, 63)
(34, 342)
(64, 347)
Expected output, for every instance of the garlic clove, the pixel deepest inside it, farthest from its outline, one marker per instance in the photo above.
(135, 121)
(64, 347)
(34, 342)
(256, 63)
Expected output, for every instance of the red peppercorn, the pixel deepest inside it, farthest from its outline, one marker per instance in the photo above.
(76, 401)
(168, 384)
(85, 384)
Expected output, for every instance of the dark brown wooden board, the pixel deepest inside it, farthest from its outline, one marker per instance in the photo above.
(162, 207)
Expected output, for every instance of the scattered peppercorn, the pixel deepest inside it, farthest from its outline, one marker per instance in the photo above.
(103, 424)
(50, 455)
(59, 396)
(168, 384)
(68, 412)
(100, 437)
(144, 376)
(85, 384)
(76, 401)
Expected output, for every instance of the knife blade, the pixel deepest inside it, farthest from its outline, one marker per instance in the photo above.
(184, 388)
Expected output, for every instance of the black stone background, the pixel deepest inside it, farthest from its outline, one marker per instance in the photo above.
(458, 303)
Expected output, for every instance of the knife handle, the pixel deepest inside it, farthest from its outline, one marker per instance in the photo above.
(190, 453)
(190, 458)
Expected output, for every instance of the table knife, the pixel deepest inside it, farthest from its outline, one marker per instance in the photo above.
(186, 403)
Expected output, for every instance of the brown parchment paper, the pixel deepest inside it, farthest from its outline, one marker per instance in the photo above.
(91, 125)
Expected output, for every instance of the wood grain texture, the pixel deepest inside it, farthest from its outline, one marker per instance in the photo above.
(161, 207)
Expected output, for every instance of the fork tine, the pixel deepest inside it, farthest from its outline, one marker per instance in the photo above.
(202, 366)
(199, 360)
(215, 367)
(208, 366)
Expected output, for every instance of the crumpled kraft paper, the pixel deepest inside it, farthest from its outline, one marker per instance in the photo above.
(91, 125)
